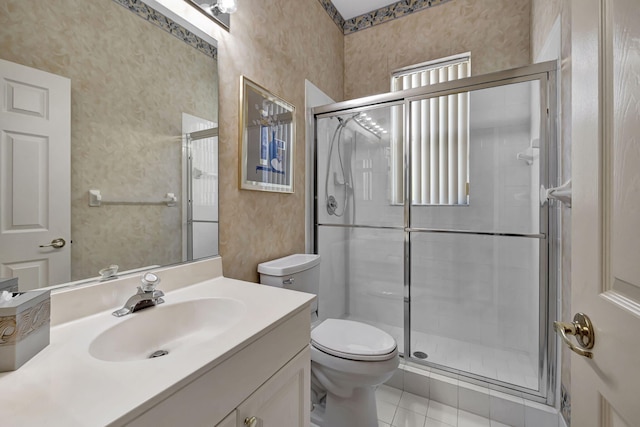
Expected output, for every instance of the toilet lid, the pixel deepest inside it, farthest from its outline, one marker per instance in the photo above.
(353, 340)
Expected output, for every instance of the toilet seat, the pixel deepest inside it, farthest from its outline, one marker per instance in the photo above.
(353, 341)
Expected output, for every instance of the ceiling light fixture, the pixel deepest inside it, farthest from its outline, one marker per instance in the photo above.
(224, 6)
(216, 10)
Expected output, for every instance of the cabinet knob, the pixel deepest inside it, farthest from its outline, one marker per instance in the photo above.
(251, 421)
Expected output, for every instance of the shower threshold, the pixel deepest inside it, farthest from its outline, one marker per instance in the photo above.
(511, 367)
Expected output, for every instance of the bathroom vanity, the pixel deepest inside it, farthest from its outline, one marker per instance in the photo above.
(237, 356)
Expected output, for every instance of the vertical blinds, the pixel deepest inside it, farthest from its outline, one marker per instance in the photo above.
(439, 138)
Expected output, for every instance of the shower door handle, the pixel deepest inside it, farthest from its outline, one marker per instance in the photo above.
(582, 329)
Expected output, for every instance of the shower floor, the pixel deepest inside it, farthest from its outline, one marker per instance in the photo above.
(511, 367)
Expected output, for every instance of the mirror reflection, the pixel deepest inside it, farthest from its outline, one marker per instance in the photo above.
(135, 109)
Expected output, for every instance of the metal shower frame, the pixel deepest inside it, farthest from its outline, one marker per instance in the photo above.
(546, 74)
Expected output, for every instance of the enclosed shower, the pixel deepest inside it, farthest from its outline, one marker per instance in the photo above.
(199, 188)
(430, 223)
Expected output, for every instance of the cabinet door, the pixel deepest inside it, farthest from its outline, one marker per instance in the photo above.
(230, 421)
(284, 400)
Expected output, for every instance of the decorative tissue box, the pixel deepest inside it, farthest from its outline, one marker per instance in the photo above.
(24, 328)
(9, 284)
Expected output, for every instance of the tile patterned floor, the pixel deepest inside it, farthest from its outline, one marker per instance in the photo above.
(398, 408)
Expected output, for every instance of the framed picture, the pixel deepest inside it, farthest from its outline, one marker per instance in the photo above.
(267, 140)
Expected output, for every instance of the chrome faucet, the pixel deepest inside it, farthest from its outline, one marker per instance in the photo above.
(147, 296)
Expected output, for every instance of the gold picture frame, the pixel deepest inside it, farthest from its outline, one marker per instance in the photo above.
(267, 140)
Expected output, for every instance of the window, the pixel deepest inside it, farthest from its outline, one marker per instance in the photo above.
(439, 135)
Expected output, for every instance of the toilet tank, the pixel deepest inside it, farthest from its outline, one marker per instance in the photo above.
(299, 272)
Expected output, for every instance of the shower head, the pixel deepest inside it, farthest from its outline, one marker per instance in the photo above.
(343, 122)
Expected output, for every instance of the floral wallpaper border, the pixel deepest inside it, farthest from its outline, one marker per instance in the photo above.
(367, 20)
(333, 13)
(170, 26)
(379, 16)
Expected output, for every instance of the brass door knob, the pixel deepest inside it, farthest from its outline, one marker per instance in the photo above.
(55, 243)
(251, 421)
(582, 329)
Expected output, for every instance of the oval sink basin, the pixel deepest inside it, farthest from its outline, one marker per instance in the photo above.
(166, 328)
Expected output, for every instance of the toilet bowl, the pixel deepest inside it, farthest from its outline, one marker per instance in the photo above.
(348, 359)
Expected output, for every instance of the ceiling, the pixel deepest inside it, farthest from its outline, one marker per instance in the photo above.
(352, 8)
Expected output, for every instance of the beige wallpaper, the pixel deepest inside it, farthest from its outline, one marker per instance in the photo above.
(496, 32)
(277, 44)
(130, 83)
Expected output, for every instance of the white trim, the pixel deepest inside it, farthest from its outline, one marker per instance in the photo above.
(552, 51)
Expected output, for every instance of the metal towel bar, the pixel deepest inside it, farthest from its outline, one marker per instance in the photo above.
(95, 200)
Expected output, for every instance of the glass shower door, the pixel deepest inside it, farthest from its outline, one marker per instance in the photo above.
(478, 234)
(200, 157)
(430, 225)
(360, 217)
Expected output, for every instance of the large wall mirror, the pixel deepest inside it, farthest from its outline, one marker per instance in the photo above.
(141, 189)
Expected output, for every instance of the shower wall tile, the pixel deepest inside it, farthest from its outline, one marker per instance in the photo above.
(478, 289)
(375, 276)
(496, 41)
(130, 83)
(363, 158)
(333, 244)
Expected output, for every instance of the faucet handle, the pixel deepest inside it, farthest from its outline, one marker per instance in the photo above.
(149, 282)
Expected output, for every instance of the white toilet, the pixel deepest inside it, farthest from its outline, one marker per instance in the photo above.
(348, 359)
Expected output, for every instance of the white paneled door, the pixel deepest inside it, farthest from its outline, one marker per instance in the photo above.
(605, 390)
(35, 138)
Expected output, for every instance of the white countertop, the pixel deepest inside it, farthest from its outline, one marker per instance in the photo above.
(64, 385)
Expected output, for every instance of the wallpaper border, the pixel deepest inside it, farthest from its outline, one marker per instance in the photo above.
(333, 13)
(159, 20)
(379, 16)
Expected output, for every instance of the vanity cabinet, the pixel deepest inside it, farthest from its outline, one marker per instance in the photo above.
(283, 401)
(229, 421)
(268, 379)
